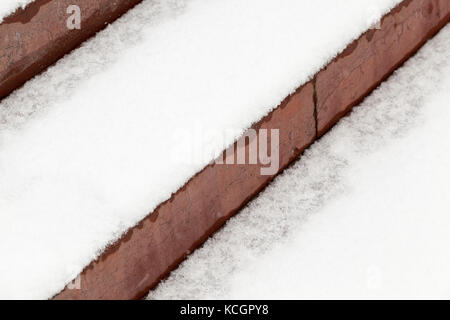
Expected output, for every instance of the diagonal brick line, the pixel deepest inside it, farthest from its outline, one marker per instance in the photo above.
(163, 239)
(149, 251)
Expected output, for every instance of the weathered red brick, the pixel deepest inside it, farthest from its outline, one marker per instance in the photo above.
(374, 56)
(35, 37)
(444, 10)
(154, 247)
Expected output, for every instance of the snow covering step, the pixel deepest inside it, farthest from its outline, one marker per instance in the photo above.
(179, 225)
(97, 162)
(40, 32)
(368, 61)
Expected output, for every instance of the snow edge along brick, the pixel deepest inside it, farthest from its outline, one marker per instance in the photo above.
(437, 15)
(39, 96)
(9, 7)
(375, 56)
(37, 34)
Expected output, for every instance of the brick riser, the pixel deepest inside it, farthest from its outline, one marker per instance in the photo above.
(150, 250)
(368, 61)
(34, 38)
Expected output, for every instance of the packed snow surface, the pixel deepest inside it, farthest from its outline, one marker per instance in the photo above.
(365, 213)
(10, 6)
(84, 148)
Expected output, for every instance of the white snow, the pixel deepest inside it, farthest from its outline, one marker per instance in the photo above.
(364, 214)
(8, 7)
(84, 147)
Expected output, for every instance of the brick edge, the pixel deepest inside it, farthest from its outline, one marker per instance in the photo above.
(152, 249)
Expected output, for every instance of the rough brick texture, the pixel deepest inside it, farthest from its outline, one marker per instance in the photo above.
(32, 39)
(374, 56)
(150, 250)
(35, 37)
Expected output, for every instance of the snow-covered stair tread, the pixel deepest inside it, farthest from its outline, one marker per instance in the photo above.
(8, 7)
(379, 229)
(84, 148)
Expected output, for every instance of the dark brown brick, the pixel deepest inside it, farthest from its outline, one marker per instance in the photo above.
(36, 37)
(374, 56)
(163, 239)
(32, 39)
